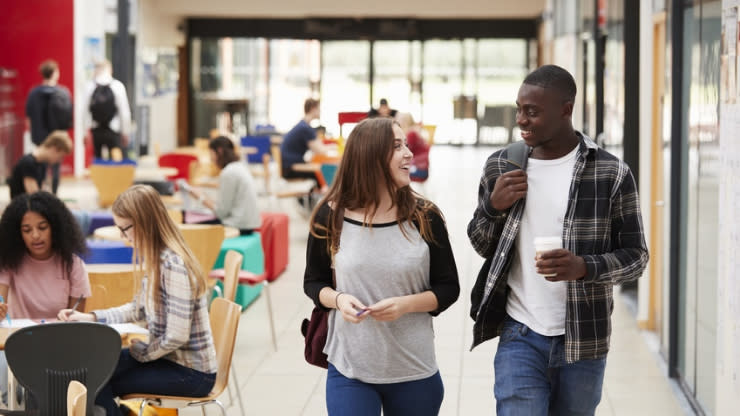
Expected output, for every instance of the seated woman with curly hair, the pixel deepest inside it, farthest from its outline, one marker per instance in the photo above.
(40, 268)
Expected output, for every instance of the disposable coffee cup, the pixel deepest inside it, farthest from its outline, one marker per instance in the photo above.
(543, 244)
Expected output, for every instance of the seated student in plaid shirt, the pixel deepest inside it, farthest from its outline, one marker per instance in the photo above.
(179, 358)
(552, 310)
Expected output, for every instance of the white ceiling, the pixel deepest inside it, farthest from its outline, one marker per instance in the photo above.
(281, 9)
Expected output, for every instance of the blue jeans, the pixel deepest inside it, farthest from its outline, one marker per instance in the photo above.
(532, 377)
(154, 377)
(350, 397)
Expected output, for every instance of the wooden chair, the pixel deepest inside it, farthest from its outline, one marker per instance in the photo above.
(232, 266)
(176, 215)
(76, 399)
(111, 285)
(205, 242)
(110, 181)
(224, 317)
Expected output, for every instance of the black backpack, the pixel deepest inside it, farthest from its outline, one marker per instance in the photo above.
(103, 105)
(517, 154)
(58, 110)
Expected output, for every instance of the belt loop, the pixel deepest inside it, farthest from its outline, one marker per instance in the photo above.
(524, 329)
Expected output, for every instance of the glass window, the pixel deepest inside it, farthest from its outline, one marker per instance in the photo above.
(344, 80)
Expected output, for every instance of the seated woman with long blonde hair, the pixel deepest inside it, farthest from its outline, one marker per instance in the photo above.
(179, 357)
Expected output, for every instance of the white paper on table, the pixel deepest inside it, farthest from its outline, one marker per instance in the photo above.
(17, 323)
(129, 328)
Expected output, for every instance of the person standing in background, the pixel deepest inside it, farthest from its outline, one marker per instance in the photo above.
(384, 110)
(48, 108)
(109, 115)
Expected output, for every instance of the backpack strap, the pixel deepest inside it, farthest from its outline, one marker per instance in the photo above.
(516, 155)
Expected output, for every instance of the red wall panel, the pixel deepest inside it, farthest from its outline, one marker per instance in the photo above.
(32, 31)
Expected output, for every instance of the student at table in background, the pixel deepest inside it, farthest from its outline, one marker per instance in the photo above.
(40, 268)
(179, 357)
(236, 205)
(299, 140)
(30, 170)
(418, 146)
(394, 271)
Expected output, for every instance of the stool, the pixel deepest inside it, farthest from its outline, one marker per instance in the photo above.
(249, 246)
(102, 251)
(275, 243)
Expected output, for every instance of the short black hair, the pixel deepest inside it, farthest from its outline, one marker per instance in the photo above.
(383, 101)
(66, 234)
(555, 77)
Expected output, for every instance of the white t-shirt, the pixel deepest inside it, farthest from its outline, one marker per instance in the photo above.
(533, 300)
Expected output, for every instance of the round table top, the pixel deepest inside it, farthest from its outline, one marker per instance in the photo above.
(111, 232)
(109, 268)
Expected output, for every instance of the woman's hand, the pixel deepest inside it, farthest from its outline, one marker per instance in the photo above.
(69, 315)
(351, 308)
(388, 309)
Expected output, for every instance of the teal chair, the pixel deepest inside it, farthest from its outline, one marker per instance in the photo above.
(249, 246)
(329, 170)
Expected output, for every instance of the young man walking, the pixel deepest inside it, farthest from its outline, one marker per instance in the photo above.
(48, 108)
(552, 309)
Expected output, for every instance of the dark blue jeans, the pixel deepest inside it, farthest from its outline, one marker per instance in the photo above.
(155, 377)
(350, 397)
(532, 377)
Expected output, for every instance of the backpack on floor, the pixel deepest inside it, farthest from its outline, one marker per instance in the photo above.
(103, 105)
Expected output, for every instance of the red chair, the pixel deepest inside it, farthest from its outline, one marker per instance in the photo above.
(179, 161)
(350, 117)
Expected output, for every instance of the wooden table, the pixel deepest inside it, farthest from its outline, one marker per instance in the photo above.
(112, 232)
(153, 173)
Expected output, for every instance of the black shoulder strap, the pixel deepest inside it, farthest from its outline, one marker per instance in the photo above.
(517, 154)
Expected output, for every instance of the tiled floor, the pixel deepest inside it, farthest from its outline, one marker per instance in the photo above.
(281, 383)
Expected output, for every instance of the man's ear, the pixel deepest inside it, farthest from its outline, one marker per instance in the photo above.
(567, 111)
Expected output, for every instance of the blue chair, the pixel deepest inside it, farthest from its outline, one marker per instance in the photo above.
(108, 252)
(262, 143)
(99, 219)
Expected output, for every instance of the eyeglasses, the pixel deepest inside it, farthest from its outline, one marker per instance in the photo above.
(126, 228)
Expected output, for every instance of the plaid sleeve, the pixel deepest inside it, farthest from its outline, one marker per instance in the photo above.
(487, 224)
(173, 318)
(629, 254)
(129, 312)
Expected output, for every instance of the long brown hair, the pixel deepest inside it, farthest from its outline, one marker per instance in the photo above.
(363, 174)
(154, 231)
(225, 152)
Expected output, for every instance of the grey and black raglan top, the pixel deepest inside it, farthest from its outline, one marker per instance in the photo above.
(375, 263)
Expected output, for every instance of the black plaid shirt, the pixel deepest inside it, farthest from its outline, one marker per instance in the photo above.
(602, 224)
